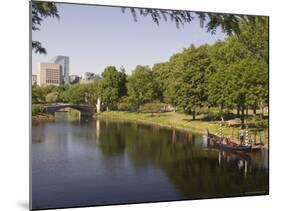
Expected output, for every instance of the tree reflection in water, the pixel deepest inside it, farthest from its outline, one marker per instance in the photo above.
(195, 171)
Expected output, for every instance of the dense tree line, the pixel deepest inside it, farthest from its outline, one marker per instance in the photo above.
(77, 93)
(227, 74)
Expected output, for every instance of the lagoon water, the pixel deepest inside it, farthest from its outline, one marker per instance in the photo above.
(93, 162)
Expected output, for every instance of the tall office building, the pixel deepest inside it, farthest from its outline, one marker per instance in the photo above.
(49, 73)
(64, 62)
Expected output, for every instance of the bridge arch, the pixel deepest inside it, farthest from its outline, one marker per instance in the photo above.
(85, 110)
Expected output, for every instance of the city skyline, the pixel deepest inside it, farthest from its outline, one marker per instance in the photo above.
(119, 43)
(56, 72)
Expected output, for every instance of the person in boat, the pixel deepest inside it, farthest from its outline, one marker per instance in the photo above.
(241, 135)
(227, 141)
(224, 140)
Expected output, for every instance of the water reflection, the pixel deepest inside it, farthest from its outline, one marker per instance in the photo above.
(92, 162)
(97, 131)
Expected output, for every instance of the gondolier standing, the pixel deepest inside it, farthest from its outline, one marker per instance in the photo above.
(241, 134)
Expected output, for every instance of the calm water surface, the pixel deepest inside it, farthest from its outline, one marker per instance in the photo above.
(94, 162)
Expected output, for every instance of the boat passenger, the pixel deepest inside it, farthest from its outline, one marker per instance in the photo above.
(227, 141)
(241, 134)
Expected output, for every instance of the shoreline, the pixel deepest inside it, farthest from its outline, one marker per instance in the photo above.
(154, 120)
(172, 120)
(42, 118)
(147, 122)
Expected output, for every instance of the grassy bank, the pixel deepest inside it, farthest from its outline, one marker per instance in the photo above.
(42, 117)
(74, 113)
(174, 120)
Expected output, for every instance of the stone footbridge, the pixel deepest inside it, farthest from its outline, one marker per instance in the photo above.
(85, 110)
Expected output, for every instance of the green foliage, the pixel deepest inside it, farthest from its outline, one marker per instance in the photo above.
(173, 83)
(37, 94)
(122, 82)
(76, 94)
(126, 105)
(228, 74)
(74, 112)
(229, 23)
(161, 77)
(254, 37)
(40, 10)
(213, 115)
(92, 93)
(112, 86)
(241, 68)
(152, 108)
(140, 86)
(195, 67)
(52, 97)
(37, 109)
(258, 123)
(222, 55)
(79, 93)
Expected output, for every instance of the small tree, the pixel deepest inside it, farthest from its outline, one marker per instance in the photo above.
(52, 97)
(140, 86)
(112, 86)
(195, 67)
(37, 109)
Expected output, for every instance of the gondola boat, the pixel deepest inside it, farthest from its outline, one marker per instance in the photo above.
(225, 143)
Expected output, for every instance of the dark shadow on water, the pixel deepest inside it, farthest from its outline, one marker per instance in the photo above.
(24, 205)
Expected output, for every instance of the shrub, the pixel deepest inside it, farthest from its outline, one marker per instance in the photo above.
(152, 108)
(52, 97)
(126, 105)
(214, 114)
(257, 122)
(37, 109)
(74, 112)
(202, 110)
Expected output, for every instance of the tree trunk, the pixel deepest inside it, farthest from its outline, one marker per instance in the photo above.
(193, 115)
(243, 113)
(255, 108)
(238, 110)
(138, 106)
(261, 108)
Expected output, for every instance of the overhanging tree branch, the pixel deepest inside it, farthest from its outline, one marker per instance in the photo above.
(39, 11)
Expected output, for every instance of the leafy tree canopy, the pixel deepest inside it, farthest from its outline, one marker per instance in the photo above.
(229, 23)
(112, 86)
(140, 86)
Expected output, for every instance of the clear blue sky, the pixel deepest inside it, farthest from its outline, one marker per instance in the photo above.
(96, 36)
